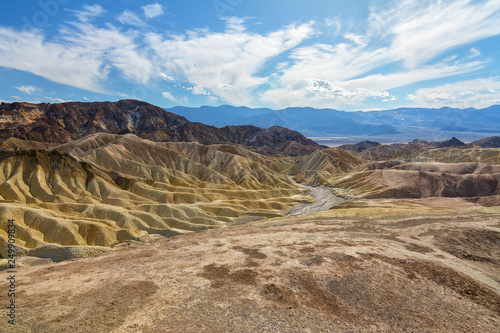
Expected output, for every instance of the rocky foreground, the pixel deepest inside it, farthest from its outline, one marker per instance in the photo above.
(415, 265)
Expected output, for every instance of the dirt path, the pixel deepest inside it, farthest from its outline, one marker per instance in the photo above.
(324, 201)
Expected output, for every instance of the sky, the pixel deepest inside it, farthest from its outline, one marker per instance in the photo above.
(345, 55)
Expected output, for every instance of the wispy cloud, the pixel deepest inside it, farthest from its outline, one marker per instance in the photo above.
(82, 56)
(412, 33)
(167, 77)
(422, 30)
(152, 10)
(57, 100)
(477, 93)
(27, 89)
(227, 63)
(330, 90)
(58, 62)
(130, 18)
(88, 13)
(168, 95)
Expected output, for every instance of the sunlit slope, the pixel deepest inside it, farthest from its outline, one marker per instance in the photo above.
(443, 172)
(107, 188)
(395, 179)
(444, 155)
(453, 155)
(319, 167)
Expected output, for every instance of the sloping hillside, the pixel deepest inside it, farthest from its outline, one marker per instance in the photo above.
(106, 188)
(395, 179)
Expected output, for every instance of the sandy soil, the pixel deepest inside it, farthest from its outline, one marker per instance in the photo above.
(388, 266)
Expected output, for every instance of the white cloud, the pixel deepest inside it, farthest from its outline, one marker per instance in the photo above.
(167, 77)
(327, 89)
(89, 12)
(114, 49)
(424, 29)
(57, 62)
(225, 63)
(130, 18)
(198, 90)
(478, 93)
(335, 24)
(234, 24)
(27, 89)
(413, 32)
(213, 99)
(123, 95)
(82, 56)
(357, 39)
(405, 43)
(474, 53)
(152, 10)
(57, 100)
(169, 96)
(393, 98)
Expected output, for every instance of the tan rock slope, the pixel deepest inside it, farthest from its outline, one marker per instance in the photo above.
(395, 179)
(320, 166)
(106, 188)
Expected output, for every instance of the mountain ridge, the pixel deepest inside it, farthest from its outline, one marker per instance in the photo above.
(330, 122)
(64, 122)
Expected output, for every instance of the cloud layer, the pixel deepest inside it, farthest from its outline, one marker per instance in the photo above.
(406, 42)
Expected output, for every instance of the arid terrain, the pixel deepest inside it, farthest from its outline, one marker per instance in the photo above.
(386, 266)
(134, 221)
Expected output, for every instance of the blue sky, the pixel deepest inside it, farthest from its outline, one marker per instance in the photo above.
(347, 55)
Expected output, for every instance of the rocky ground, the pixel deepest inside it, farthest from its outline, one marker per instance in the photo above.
(324, 200)
(414, 265)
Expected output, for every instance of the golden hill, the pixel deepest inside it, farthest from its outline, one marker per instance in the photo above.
(445, 155)
(396, 179)
(107, 188)
(318, 167)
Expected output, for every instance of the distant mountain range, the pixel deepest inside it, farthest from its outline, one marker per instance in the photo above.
(329, 122)
(64, 122)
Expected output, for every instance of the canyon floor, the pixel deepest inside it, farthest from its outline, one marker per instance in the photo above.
(381, 265)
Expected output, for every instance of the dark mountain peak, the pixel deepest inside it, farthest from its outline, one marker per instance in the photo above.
(453, 142)
(360, 146)
(419, 141)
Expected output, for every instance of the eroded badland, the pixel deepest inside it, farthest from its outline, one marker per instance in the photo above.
(119, 230)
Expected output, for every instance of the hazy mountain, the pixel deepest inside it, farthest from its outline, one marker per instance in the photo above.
(330, 122)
